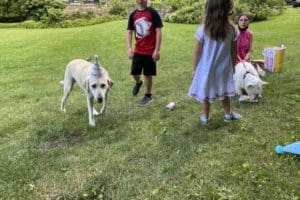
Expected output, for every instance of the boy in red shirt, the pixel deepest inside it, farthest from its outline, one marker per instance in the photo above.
(146, 24)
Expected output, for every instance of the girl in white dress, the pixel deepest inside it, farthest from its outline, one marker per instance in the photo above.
(214, 59)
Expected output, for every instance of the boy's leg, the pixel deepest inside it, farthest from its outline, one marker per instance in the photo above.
(148, 96)
(148, 84)
(137, 78)
(136, 70)
(149, 70)
(137, 86)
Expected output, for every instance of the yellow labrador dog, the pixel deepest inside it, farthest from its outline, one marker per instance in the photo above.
(93, 79)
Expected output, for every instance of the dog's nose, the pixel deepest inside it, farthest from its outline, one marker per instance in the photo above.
(100, 99)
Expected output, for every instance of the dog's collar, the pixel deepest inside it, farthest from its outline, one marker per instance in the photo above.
(247, 72)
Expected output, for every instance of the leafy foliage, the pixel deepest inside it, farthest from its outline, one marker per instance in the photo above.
(259, 10)
(175, 4)
(19, 10)
(118, 8)
(31, 24)
(188, 14)
(11, 11)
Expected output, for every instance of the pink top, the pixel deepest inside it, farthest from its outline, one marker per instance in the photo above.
(243, 44)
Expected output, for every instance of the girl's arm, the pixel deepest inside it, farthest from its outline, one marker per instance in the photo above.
(233, 54)
(249, 53)
(197, 54)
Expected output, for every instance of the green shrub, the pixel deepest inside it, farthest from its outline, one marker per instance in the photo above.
(10, 11)
(156, 5)
(175, 4)
(89, 14)
(20, 10)
(31, 24)
(53, 16)
(41, 9)
(118, 8)
(258, 10)
(187, 15)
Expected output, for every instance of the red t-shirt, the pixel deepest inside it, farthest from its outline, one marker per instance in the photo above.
(143, 23)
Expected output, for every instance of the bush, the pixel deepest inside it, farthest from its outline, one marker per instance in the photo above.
(42, 9)
(257, 9)
(10, 11)
(175, 4)
(187, 15)
(31, 24)
(53, 16)
(118, 8)
(20, 10)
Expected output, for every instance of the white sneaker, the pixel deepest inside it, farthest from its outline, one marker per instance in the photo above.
(203, 120)
(232, 116)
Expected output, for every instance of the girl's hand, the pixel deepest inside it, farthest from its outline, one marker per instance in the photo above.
(193, 73)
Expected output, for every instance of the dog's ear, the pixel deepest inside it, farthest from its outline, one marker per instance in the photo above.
(87, 86)
(97, 60)
(110, 82)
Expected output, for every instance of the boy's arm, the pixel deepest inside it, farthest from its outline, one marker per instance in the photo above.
(129, 43)
(156, 53)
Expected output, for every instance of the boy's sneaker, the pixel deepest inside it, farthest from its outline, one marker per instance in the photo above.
(203, 120)
(145, 100)
(232, 116)
(136, 88)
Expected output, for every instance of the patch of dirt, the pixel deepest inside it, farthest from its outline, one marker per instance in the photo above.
(78, 137)
(75, 137)
(53, 144)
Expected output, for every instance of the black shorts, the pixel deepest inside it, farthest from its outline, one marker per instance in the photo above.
(143, 63)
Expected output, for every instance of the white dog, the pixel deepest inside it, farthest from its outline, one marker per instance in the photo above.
(93, 79)
(247, 83)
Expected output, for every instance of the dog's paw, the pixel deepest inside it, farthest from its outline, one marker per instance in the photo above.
(63, 110)
(102, 111)
(95, 112)
(92, 123)
(244, 98)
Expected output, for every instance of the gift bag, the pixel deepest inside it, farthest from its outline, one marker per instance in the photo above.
(273, 58)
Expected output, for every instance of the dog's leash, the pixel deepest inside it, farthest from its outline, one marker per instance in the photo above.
(247, 72)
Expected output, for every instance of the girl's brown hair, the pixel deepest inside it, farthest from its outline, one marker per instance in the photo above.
(216, 19)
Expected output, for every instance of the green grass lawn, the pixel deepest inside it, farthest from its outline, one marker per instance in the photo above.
(137, 152)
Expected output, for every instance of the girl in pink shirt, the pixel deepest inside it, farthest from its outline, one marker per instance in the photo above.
(245, 38)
